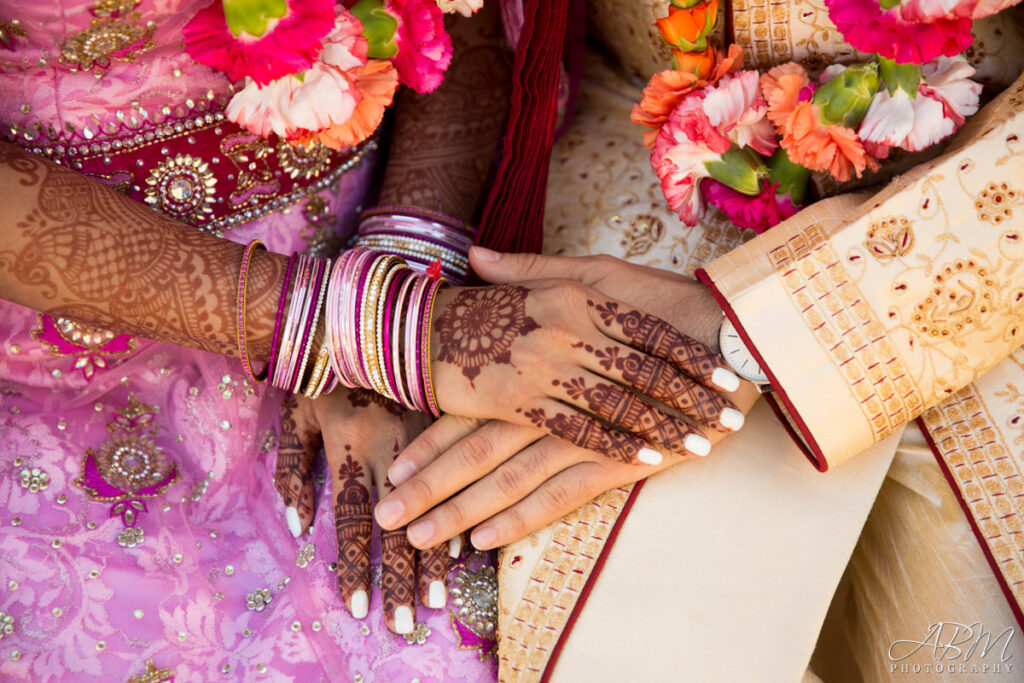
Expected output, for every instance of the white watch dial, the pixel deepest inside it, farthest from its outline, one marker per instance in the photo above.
(738, 356)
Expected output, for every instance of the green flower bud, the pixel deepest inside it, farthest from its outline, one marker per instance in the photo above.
(845, 99)
(742, 169)
(379, 27)
(252, 16)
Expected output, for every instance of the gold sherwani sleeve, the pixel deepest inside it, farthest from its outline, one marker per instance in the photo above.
(867, 310)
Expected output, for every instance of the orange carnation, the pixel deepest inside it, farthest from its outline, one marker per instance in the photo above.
(377, 81)
(687, 29)
(807, 140)
(668, 88)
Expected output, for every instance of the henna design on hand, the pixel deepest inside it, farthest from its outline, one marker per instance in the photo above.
(354, 526)
(480, 325)
(588, 433)
(433, 566)
(617, 406)
(399, 570)
(656, 337)
(293, 473)
(361, 398)
(653, 377)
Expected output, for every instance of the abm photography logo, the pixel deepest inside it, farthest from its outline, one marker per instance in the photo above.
(949, 647)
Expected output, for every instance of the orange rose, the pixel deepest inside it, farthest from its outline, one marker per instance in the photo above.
(687, 29)
(699, 64)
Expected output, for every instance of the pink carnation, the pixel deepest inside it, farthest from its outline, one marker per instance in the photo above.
(930, 10)
(424, 47)
(290, 45)
(945, 97)
(757, 213)
(325, 96)
(891, 34)
(736, 107)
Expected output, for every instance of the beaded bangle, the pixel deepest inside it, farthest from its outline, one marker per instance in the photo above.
(243, 348)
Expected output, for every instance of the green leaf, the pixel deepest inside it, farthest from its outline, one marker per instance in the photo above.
(379, 27)
(252, 16)
(791, 178)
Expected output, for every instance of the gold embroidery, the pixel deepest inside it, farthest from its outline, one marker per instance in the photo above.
(995, 202)
(555, 585)
(890, 238)
(8, 30)
(642, 234)
(108, 38)
(838, 315)
(303, 162)
(963, 299)
(152, 674)
(182, 186)
(988, 476)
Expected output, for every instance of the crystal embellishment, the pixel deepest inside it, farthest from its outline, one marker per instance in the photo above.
(182, 186)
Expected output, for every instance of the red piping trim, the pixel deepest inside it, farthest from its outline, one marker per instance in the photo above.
(808, 444)
(974, 525)
(589, 585)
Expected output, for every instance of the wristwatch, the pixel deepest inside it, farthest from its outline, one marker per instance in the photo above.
(739, 357)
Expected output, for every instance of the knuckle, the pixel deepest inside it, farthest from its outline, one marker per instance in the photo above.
(509, 481)
(421, 489)
(476, 452)
(456, 513)
(555, 498)
(514, 523)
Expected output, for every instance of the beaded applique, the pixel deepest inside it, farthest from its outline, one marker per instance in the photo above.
(89, 346)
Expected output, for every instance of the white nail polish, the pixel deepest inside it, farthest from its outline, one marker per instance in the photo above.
(649, 456)
(725, 380)
(731, 419)
(437, 596)
(291, 516)
(359, 605)
(455, 546)
(697, 444)
(403, 620)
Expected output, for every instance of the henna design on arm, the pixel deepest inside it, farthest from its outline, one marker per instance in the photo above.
(444, 142)
(78, 249)
(478, 328)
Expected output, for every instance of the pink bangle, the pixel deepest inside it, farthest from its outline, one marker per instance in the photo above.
(280, 313)
(243, 349)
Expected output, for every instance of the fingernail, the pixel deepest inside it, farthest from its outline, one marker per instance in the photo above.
(455, 546)
(359, 605)
(420, 533)
(697, 444)
(401, 471)
(484, 254)
(725, 380)
(291, 516)
(438, 595)
(731, 419)
(403, 619)
(483, 538)
(649, 456)
(389, 511)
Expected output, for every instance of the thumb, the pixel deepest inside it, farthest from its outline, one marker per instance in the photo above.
(499, 268)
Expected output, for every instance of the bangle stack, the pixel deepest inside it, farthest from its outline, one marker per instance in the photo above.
(364, 319)
(421, 237)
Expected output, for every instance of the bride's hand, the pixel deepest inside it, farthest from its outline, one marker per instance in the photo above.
(361, 434)
(512, 480)
(556, 355)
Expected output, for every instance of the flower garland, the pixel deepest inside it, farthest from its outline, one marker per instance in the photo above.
(746, 142)
(315, 71)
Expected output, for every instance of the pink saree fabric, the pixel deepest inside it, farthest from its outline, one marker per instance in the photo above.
(140, 531)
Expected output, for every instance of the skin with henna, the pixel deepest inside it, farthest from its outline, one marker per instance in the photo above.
(509, 480)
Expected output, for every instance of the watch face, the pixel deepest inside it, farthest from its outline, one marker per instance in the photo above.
(738, 356)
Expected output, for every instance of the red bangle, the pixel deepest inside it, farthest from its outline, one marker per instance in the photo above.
(243, 349)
